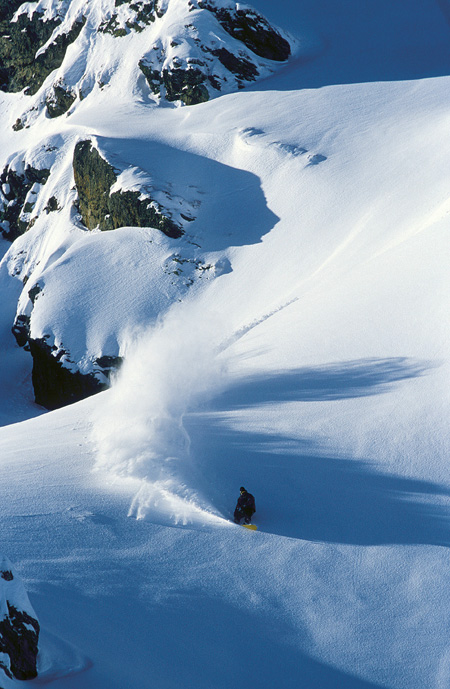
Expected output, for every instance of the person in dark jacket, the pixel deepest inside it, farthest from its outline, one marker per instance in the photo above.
(245, 507)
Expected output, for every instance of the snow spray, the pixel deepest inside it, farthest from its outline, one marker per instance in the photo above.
(138, 431)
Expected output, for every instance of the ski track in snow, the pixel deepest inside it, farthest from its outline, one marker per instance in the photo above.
(301, 351)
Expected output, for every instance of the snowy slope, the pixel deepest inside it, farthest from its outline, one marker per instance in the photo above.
(114, 52)
(309, 363)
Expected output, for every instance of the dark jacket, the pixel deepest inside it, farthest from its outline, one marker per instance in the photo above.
(246, 503)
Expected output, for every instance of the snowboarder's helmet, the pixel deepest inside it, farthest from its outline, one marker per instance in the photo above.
(242, 489)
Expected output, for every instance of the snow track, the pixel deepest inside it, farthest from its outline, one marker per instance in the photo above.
(309, 363)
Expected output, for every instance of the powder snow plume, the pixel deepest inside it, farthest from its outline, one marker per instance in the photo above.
(138, 431)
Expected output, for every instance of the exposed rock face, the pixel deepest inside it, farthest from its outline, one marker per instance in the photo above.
(187, 85)
(145, 12)
(19, 634)
(59, 100)
(216, 48)
(247, 25)
(19, 44)
(21, 330)
(18, 193)
(55, 385)
(19, 628)
(94, 177)
(239, 66)
(189, 51)
(197, 64)
(56, 376)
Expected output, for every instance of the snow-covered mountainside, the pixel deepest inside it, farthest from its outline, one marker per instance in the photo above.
(231, 221)
(61, 180)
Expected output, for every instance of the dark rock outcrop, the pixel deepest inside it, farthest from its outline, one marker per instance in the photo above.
(52, 205)
(19, 629)
(145, 12)
(14, 206)
(242, 68)
(94, 177)
(19, 44)
(19, 635)
(250, 27)
(59, 101)
(56, 382)
(55, 385)
(153, 76)
(21, 330)
(187, 85)
(186, 68)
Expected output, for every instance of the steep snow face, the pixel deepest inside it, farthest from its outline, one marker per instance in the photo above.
(133, 271)
(59, 180)
(322, 385)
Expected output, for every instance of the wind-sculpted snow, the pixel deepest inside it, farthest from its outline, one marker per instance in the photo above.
(139, 432)
(324, 215)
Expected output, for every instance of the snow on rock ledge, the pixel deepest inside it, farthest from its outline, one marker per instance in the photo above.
(206, 48)
(103, 203)
(188, 51)
(19, 628)
(57, 194)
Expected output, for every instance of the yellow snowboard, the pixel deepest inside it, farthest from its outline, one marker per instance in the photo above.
(250, 526)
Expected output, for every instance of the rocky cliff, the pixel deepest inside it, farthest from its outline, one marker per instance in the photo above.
(106, 209)
(19, 628)
(59, 182)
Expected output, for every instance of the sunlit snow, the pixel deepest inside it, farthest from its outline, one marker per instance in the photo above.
(301, 350)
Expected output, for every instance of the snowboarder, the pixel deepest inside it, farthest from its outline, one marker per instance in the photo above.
(245, 507)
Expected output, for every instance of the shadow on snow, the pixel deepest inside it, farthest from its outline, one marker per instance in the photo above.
(208, 184)
(357, 42)
(302, 491)
(337, 381)
(176, 649)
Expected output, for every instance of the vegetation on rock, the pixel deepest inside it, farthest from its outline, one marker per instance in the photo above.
(20, 42)
(186, 85)
(94, 177)
(59, 101)
(17, 199)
